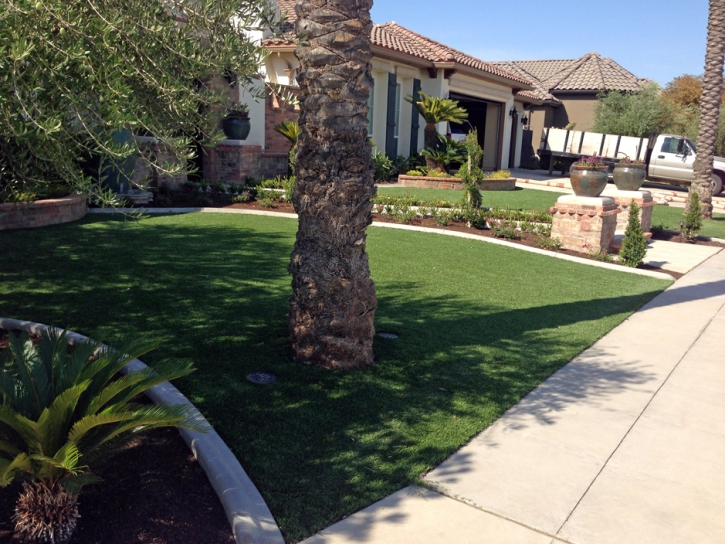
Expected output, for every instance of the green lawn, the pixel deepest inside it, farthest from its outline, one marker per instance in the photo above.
(526, 199)
(671, 217)
(533, 199)
(479, 326)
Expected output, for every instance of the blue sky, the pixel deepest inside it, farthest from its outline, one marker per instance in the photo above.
(658, 40)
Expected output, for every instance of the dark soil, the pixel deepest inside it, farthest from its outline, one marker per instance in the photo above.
(152, 492)
(674, 236)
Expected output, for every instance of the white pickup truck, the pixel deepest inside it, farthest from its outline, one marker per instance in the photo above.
(668, 157)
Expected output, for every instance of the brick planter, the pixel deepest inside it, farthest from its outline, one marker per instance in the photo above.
(585, 224)
(41, 213)
(231, 161)
(427, 182)
(624, 199)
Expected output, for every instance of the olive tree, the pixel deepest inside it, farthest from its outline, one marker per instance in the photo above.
(73, 73)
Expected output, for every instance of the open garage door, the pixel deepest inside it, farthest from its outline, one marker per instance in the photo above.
(486, 116)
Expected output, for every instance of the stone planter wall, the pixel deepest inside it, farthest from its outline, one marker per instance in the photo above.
(585, 224)
(231, 161)
(427, 182)
(624, 199)
(27, 215)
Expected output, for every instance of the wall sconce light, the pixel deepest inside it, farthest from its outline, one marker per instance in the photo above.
(524, 120)
(513, 112)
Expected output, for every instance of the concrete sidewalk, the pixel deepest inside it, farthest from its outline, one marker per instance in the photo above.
(625, 444)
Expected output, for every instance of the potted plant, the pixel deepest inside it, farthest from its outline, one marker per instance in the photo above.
(629, 174)
(236, 125)
(589, 176)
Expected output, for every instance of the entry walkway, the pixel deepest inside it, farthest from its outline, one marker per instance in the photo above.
(625, 444)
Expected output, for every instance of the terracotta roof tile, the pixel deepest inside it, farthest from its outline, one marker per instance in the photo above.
(395, 37)
(434, 51)
(592, 72)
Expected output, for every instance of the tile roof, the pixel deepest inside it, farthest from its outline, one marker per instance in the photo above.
(395, 37)
(592, 72)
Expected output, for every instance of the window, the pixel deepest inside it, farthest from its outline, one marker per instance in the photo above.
(371, 109)
(670, 145)
(397, 110)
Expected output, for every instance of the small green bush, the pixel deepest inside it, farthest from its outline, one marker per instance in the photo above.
(506, 229)
(383, 166)
(693, 215)
(499, 174)
(547, 242)
(634, 245)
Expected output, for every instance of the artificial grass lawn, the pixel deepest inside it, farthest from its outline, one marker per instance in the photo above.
(526, 199)
(670, 217)
(532, 199)
(479, 326)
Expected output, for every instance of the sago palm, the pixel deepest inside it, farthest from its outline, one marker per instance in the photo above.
(288, 129)
(436, 110)
(63, 411)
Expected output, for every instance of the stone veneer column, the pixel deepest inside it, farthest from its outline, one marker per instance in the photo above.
(231, 161)
(585, 224)
(624, 199)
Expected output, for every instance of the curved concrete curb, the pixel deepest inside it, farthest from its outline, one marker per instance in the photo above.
(608, 266)
(251, 520)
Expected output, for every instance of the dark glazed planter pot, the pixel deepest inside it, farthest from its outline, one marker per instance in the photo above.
(235, 128)
(629, 178)
(587, 181)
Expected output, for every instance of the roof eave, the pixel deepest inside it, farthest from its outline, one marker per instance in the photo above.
(390, 54)
(493, 78)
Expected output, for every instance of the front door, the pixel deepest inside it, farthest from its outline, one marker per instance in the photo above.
(673, 160)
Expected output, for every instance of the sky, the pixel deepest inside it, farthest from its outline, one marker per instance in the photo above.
(659, 40)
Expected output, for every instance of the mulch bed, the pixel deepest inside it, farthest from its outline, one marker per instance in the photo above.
(153, 492)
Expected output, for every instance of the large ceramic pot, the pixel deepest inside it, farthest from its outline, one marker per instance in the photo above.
(235, 128)
(587, 180)
(629, 178)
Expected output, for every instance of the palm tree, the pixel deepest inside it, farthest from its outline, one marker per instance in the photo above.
(712, 89)
(436, 110)
(333, 298)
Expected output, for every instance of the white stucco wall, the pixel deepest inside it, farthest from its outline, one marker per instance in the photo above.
(256, 112)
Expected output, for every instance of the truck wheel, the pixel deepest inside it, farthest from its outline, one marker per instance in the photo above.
(716, 183)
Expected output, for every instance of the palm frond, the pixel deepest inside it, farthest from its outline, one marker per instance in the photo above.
(9, 468)
(436, 110)
(54, 422)
(32, 375)
(288, 129)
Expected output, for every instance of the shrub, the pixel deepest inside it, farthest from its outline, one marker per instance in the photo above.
(414, 173)
(471, 174)
(64, 412)
(383, 166)
(499, 174)
(547, 242)
(634, 245)
(693, 215)
(506, 229)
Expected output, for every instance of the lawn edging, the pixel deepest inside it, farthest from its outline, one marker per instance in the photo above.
(580, 260)
(248, 514)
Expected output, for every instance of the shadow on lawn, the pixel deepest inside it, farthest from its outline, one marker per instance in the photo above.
(318, 444)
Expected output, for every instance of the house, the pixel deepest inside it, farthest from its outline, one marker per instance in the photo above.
(568, 89)
(405, 62)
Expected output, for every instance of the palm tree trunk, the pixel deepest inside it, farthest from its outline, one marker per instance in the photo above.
(712, 88)
(333, 298)
(430, 139)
